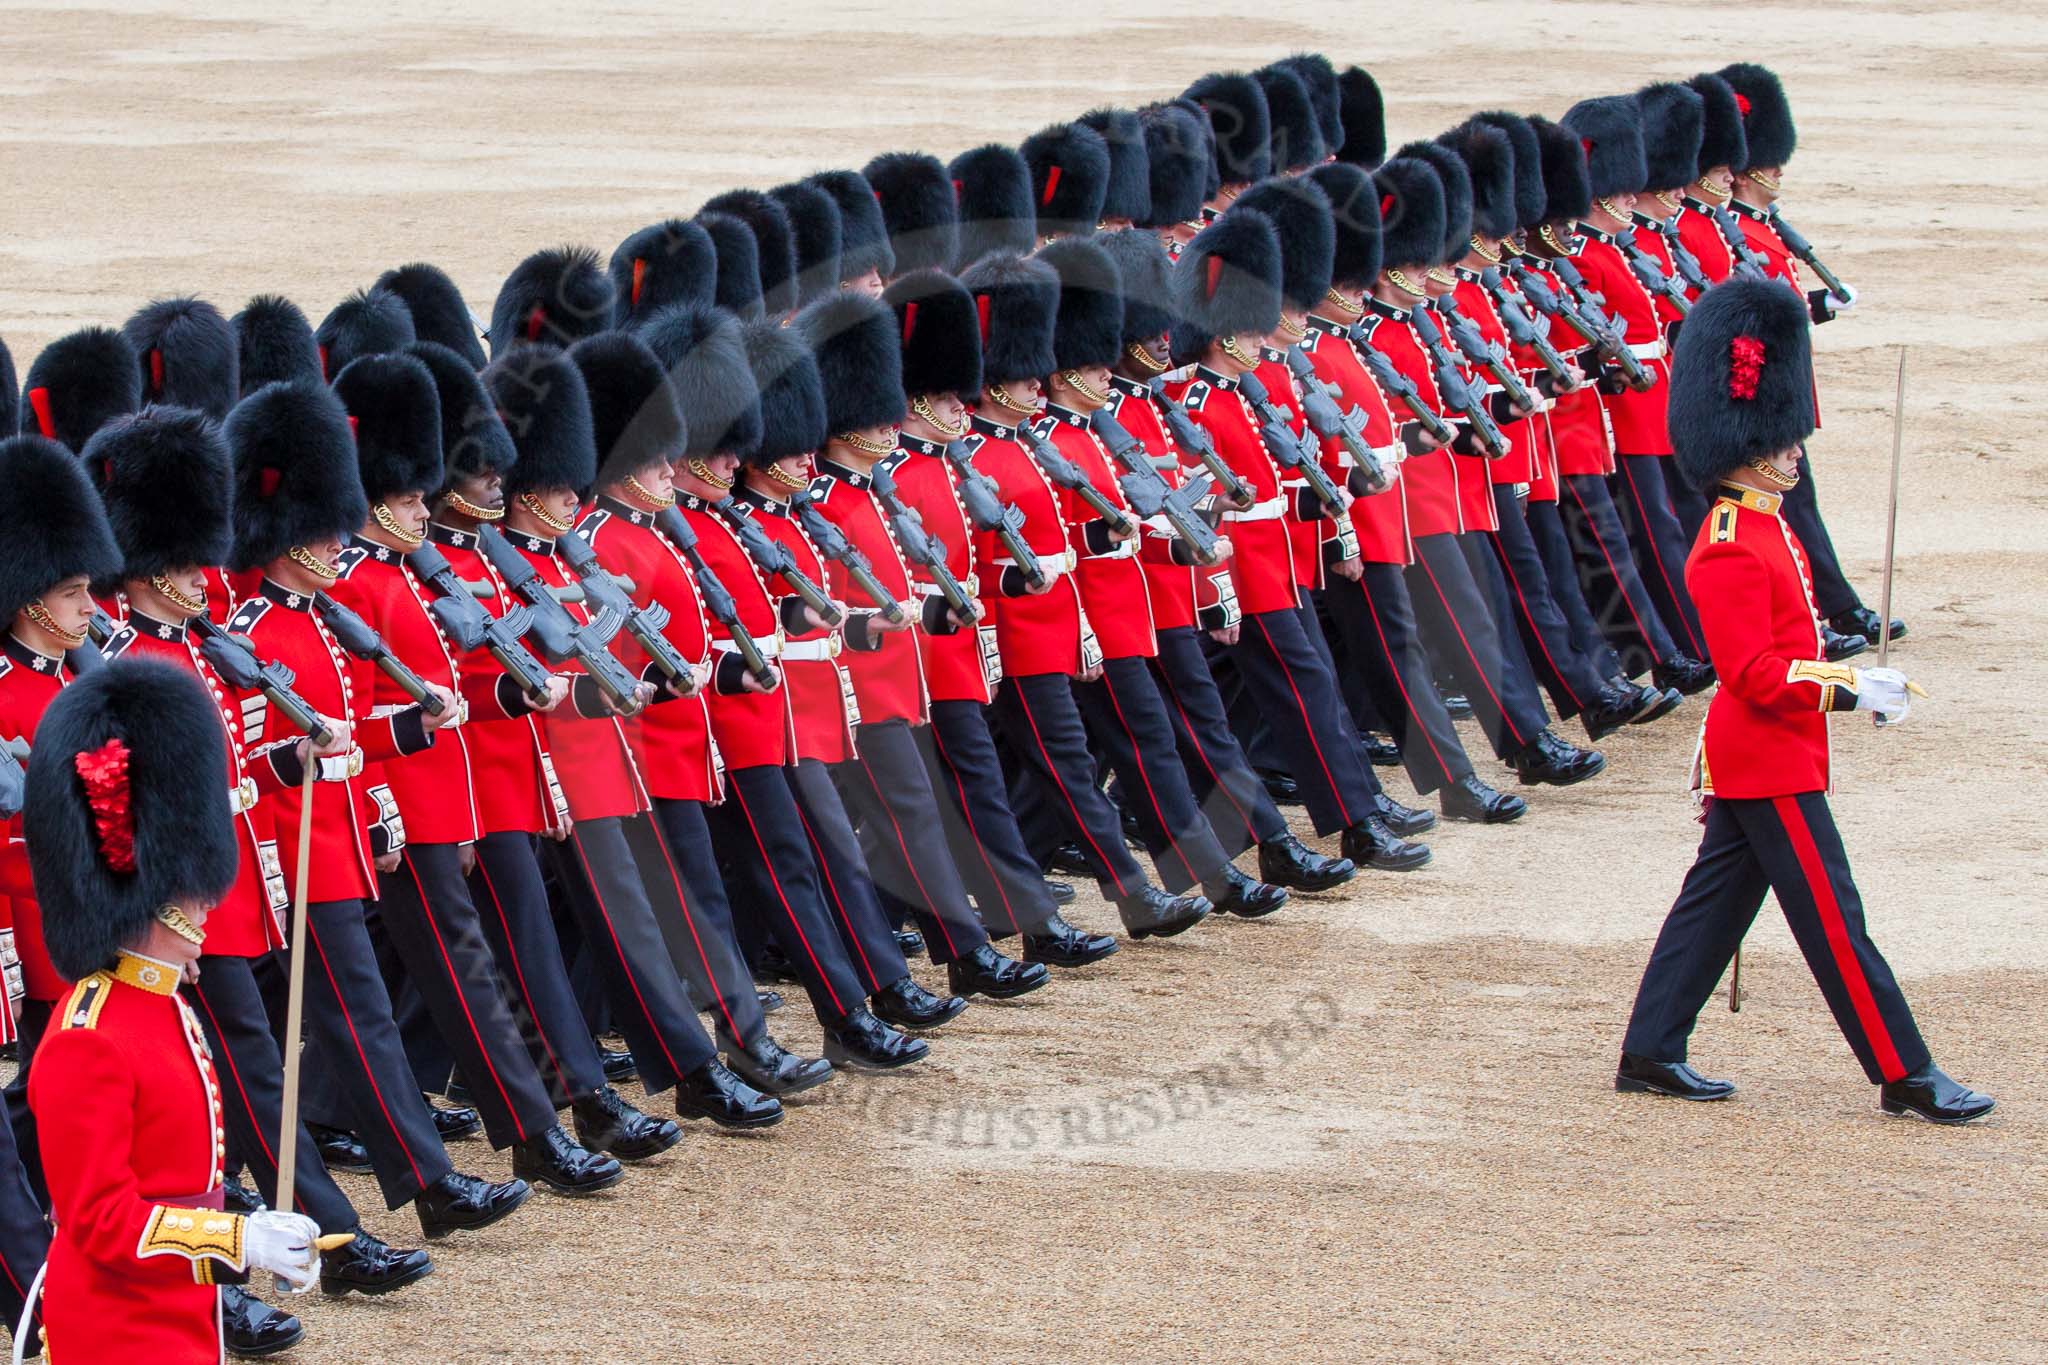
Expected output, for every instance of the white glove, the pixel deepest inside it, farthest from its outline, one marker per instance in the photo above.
(1882, 690)
(1839, 304)
(284, 1244)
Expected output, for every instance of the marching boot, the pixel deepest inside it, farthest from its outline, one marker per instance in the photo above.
(1380, 751)
(1243, 896)
(1151, 913)
(1372, 844)
(239, 1198)
(1863, 621)
(1652, 702)
(1287, 861)
(1405, 821)
(713, 1092)
(769, 1001)
(984, 971)
(771, 1068)
(1615, 706)
(1057, 943)
(1069, 859)
(464, 1203)
(906, 1004)
(618, 1064)
(862, 1042)
(1471, 800)
(1682, 671)
(1457, 705)
(453, 1122)
(368, 1266)
(1281, 787)
(1640, 1075)
(910, 942)
(1836, 646)
(1062, 893)
(606, 1123)
(251, 1329)
(1548, 759)
(554, 1159)
(339, 1149)
(1930, 1093)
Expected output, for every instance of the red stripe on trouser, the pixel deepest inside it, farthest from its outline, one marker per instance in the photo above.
(1522, 601)
(683, 899)
(1478, 669)
(1822, 889)
(832, 892)
(242, 1093)
(1400, 683)
(1024, 703)
(619, 954)
(1620, 585)
(455, 984)
(341, 1002)
(787, 913)
(1215, 778)
(910, 863)
(1138, 753)
(967, 815)
(1657, 556)
(1301, 709)
(519, 975)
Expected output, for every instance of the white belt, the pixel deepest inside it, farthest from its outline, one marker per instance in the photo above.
(771, 646)
(392, 709)
(824, 647)
(1648, 350)
(1049, 566)
(971, 585)
(242, 797)
(1124, 550)
(1272, 509)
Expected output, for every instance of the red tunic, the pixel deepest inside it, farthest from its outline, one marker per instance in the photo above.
(753, 729)
(1112, 580)
(1525, 437)
(1434, 505)
(1578, 423)
(1037, 633)
(1262, 548)
(1702, 237)
(823, 706)
(1180, 595)
(888, 682)
(1305, 535)
(963, 665)
(1380, 521)
(1635, 419)
(28, 682)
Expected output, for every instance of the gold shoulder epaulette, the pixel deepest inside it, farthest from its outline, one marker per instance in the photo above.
(88, 998)
(1723, 526)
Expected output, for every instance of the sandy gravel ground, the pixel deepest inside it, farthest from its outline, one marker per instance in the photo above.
(1380, 1125)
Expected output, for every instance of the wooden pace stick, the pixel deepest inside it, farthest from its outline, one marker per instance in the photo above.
(295, 1000)
(1891, 529)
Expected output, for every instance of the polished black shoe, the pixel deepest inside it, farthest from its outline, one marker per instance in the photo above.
(1057, 943)
(1549, 760)
(713, 1091)
(862, 1042)
(769, 1001)
(1640, 1075)
(618, 1064)
(1069, 859)
(1151, 913)
(1863, 621)
(1287, 861)
(251, 1329)
(1474, 802)
(984, 971)
(910, 942)
(906, 1004)
(771, 1068)
(368, 1266)
(773, 967)
(1246, 897)
(1062, 893)
(1380, 751)
(340, 1150)
(1653, 702)
(1615, 706)
(239, 1198)
(1457, 705)
(464, 1203)
(1282, 788)
(1682, 671)
(606, 1123)
(1836, 646)
(1405, 821)
(454, 1121)
(1930, 1093)
(1370, 843)
(554, 1159)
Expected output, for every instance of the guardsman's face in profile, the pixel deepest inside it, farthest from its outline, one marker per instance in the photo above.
(70, 604)
(409, 510)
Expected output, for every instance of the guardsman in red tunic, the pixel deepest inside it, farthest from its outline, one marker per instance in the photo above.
(165, 476)
(886, 785)
(639, 429)
(297, 494)
(129, 1103)
(1742, 401)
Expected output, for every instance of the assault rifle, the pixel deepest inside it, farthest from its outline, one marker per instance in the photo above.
(361, 639)
(1288, 450)
(1490, 356)
(1063, 472)
(469, 625)
(1584, 316)
(1456, 390)
(1150, 494)
(833, 545)
(920, 546)
(1803, 249)
(771, 556)
(560, 636)
(644, 624)
(239, 667)
(1521, 325)
(1230, 485)
(1652, 275)
(717, 599)
(1319, 404)
(987, 510)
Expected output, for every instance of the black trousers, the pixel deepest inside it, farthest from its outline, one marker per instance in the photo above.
(350, 1033)
(1375, 623)
(623, 941)
(1127, 720)
(1572, 679)
(989, 850)
(865, 930)
(1561, 571)
(28, 1034)
(696, 918)
(1233, 798)
(1042, 722)
(1488, 666)
(1607, 572)
(1687, 503)
(1288, 678)
(24, 1235)
(777, 881)
(512, 903)
(1832, 593)
(888, 789)
(1641, 490)
(1787, 845)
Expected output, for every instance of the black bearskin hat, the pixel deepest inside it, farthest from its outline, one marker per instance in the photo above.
(167, 484)
(864, 233)
(542, 399)
(706, 360)
(667, 262)
(774, 243)
(737, 288)
(815, 233)
(1766, 114)
(395, 407)
(473, 438)
(939, 333)
(1294, 134)
(1069, 177)
(295, 471)
(1457, 183)
(1319, 78)
(369, 322)
(186, 350)
(51, 522)
(915, 194)
(1178, 164)
(556, 297)
(634, 417)
(439, 312)
(116, 817)
(80, 382)
(1723, 142)
(853, 339)
(1567, 190)
(1088, 327)
(1355, 213)
(1528, 158)
(1300, 214)
(1741, 379)
(1129, 192)
(1365, 119)
(1226, 281)
(1411, 211)
(1673, 119)
(274, 344)
(10, 395)
(1212, 174)
(1611, 132)
(1241, 122)
(792, 394)
(1015, 300)
(1490, 164)
(997, 210)
(1145, 272)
